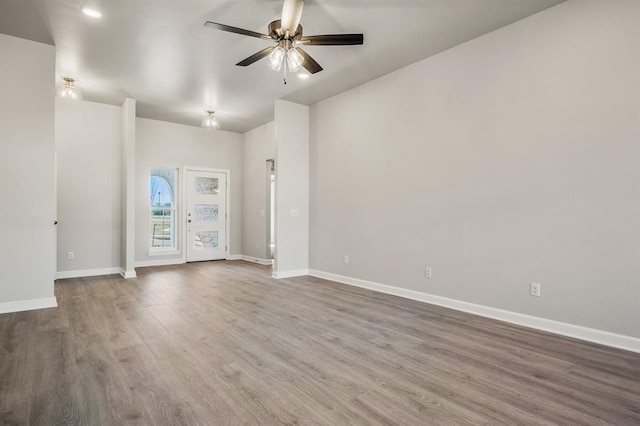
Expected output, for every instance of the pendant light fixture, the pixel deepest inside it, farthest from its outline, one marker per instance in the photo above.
(209, 121)
(68, 90)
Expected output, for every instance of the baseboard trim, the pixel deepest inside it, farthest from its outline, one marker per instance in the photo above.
(257, 260)
(61, 275)
(159, 262)
(28, 305)
(128, 274)
(234, 257)
(583, 333)
(290, 274)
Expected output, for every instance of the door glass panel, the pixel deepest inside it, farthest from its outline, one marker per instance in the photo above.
(206, 185)
(205, 212)
(205, 239)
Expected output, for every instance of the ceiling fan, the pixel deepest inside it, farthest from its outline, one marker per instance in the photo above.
(287, 34)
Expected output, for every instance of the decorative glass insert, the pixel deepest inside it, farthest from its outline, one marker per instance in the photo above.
(205, 239)
(206, 185)
(205, 212)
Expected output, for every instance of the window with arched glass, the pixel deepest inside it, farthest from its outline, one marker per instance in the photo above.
(163, 210)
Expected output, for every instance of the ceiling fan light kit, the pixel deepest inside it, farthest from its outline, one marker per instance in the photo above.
(287, 34)
(276, 58)
(294, 59)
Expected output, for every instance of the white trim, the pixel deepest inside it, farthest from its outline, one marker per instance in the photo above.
(234, 257)
(290, 274)
(55, 214)
(257, 260)
(583, 333)
(128, 274)
(159, 262)
(60, 275)
(172, 252)
(28, 305)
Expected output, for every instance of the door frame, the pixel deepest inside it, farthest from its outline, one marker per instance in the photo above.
(55, 216)
(183, 197)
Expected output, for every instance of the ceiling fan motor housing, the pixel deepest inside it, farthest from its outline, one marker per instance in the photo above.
(276, 33)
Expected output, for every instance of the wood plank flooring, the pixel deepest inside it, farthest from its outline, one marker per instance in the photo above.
(221, 343)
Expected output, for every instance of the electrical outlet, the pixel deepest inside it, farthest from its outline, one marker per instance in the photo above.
(535, 289)
(70, 255)
(346, 260)
(427, 272)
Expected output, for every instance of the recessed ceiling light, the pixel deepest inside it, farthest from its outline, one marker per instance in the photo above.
(303, 76)
(92, 11)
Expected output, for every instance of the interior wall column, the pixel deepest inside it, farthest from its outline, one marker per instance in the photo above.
(127, 257)
(292, 190)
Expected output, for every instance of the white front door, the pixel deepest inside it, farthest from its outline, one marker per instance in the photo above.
(206, 215)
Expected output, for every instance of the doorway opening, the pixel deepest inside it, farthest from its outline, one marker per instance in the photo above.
(271, 200)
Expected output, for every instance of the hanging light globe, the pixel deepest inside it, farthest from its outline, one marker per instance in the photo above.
(276, 58)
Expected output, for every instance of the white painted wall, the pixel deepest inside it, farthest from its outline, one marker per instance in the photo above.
(292, 189)
(509, 159)
(162, 144)
(27, 91)
(258, 147)
(88, 142)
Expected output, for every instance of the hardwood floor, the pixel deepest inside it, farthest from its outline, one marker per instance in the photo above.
(222, 343)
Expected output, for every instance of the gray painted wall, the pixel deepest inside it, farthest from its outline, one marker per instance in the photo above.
(27, 88)
(258, 147)
(162, 144)
(509, 159)
(89, 145)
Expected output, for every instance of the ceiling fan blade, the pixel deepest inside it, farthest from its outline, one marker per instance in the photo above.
(291, 14)
(256, 56)
(230, 29)
(309, 63)
(332, 40)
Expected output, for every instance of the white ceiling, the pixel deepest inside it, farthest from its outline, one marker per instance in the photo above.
(159, 52)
